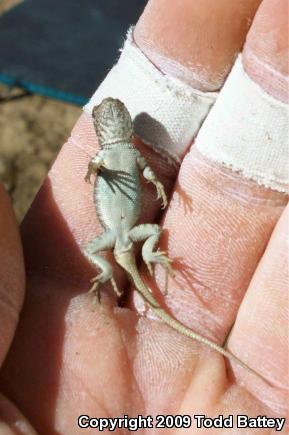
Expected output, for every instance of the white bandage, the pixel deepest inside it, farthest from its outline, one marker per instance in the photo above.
(167, 113)
(247, 131)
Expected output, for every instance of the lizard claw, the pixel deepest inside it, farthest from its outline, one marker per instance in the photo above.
(115, 288)
(161, 194)
(87, 179)
(170, 269)
(94, 289)
(160, 257)
(150, 269)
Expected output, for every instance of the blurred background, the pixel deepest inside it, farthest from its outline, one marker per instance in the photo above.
(53, 54)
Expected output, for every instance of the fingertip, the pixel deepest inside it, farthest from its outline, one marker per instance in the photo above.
(266, 49)
(174, 38)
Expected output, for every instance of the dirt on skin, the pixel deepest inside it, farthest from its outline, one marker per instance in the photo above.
(32, 129)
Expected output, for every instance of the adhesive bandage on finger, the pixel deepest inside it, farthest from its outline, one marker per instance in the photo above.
(166, 112)
(247, 131)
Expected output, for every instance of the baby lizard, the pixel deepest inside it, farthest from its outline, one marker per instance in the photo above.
(118, 204)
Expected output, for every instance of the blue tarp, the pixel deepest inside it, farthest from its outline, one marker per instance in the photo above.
(63, 48)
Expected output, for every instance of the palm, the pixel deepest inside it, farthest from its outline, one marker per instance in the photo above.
(100, 366)
(69, 359)
(76, 361)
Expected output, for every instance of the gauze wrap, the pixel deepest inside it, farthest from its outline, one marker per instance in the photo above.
(247, 131)
(166, 112)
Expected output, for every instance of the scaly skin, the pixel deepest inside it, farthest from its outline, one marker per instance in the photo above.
(118, 204)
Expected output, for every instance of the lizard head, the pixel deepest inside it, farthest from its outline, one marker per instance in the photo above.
(112, 122)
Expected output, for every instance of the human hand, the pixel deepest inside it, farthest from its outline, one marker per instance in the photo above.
(67, 359)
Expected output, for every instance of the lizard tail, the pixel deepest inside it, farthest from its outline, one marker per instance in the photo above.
(127, 262)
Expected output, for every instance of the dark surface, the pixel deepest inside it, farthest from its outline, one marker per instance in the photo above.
(63, 48)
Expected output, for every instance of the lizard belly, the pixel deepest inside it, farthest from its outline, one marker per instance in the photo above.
(118, 201)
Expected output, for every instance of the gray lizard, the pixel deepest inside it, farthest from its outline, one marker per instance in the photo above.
(118, 205)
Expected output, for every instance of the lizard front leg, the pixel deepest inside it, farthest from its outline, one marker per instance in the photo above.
(94, 166)
(149, 175)
(104, 242)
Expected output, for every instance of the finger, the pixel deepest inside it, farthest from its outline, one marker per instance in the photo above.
(216, 229)
(182, 50)
(11, 274)
(261, 329)
(266, 61)
(266, 58)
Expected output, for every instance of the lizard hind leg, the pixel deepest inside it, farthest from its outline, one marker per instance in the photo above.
(151, 234)
(101, 243)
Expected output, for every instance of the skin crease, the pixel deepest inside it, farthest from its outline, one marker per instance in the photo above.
(68, 359)
(205, 59)
(266, 51)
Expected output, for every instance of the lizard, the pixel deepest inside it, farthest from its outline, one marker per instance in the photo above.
(117, 195)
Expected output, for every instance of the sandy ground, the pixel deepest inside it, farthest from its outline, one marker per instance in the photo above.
(32, 129)
(5, 5)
